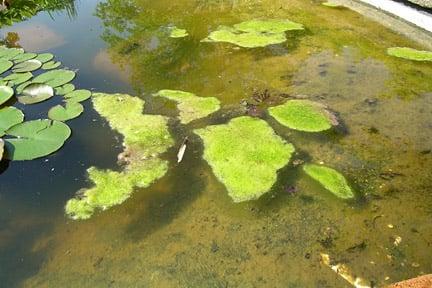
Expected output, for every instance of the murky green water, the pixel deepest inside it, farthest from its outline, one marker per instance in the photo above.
(184, 231)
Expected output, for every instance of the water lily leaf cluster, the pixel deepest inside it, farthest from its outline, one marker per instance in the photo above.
(254, 33)
(37, 138)
(191, 106)
(304, 115)
(145, 138)
(245, 155)
(410, 53)
(330, 179)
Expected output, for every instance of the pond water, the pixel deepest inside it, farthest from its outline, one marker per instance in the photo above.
(184, 230)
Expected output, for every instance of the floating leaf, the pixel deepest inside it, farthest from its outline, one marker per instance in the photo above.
(1, 148)
(21, 87)
(332, 180)
(36, 139)
(331, 5)
(303, 115)
(177, 32)
(5, 65)
(27, 66)
(18, 78)
(9, 53)
(78, 95)
(268, 26)
(24, 57)
(65, 89)
(35, 93)
(44, 57)
(51, 65)
(55, 78)
(6, 93)
(70, 111)
(410, 54)
(245, 155)
(190, 105)
(9, 117)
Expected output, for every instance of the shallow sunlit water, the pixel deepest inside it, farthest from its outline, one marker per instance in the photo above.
(184, 230)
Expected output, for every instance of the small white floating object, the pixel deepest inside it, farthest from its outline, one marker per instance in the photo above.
(182, 150)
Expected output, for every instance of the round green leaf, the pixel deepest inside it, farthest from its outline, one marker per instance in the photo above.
(21, 87)
(6, 93)
(36, 139)
(18, 78)
(71, 111)
(35, 93)
(65, 89)
(55, 78)
(5, 65)
(9, 116)
(51, 65)
(44, 57)
(78, 95)
(9, 53)
(27, 66)
(24, 57)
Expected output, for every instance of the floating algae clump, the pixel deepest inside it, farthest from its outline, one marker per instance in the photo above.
(304, 115)
(245, 155)
(191, 106)
(410, 54)
(254, 33)
(177, 32)
(332, 180)
(145, 137)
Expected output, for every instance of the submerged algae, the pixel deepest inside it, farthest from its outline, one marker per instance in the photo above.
(245, 155)
(191, 106)
(303, 115)
(145, 137)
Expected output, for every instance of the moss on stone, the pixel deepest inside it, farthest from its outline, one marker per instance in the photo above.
(303, 115)
(145, 137)
(245, 155)
(254, 33)
(191, 106)
(331, 179)
(410, 54)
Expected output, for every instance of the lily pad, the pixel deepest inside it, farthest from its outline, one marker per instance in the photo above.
(6, 93)
(5, 65)
(65, 89)
(78, 95)
(24, 57)
(410, 54)
(332, 180)
(44, 57)
(9, 117)
(245, 155)
(51, 65)
(9, 53)
(177, 32)
(190, 105)
(254, 33)
(18, 78)
(35, 93)
(36, 139)
(27, 66)
(303, 115)
(70, 111)
(145, 137)
(55, 78)
(21, 87)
